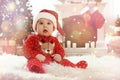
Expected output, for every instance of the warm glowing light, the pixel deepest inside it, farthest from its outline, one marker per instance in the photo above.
(74, 9)
(20, 23)
(11, 6)
(78, 22)
(84, 30)
(74, 19)
(71, 36)
(94, 37)
(76, 34)
(22, 10)
(80, 33)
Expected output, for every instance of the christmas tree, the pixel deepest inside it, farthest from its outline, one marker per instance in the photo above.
(18, 12)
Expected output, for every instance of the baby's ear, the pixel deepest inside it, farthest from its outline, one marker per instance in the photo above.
(36, 27)
(53, 28)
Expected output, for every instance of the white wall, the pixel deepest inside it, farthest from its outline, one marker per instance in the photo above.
(110, 11)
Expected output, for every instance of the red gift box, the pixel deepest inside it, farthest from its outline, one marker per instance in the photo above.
(8, 46)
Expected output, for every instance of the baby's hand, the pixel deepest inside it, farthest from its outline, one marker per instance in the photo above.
(57, 57)
(40, 57)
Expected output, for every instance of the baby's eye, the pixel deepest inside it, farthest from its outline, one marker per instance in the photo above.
(40, 23)
(48, 23)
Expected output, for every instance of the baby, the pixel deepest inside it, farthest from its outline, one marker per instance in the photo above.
(44, 25)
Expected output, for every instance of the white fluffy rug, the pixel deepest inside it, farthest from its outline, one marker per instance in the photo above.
(99, 68)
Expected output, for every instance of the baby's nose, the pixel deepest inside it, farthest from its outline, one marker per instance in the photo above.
(45, 26)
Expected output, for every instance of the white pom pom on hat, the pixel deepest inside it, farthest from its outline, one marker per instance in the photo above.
(51, 15)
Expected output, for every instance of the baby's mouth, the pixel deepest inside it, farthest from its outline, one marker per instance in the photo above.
(45, 31)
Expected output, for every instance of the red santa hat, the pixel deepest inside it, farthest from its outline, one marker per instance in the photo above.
(51, 15)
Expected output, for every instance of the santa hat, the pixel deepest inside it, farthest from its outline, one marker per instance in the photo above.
(51, 15)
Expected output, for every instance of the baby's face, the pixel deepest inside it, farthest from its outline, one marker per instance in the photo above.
(44, 27)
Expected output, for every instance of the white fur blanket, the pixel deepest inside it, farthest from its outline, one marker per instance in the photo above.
(99, 68)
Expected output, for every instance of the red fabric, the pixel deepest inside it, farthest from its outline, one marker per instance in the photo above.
(98, 19)
(87, 18)
(32, 47)
(60, 30)
(66, 62)
(82, 64)
(95, 19)
(35, 65)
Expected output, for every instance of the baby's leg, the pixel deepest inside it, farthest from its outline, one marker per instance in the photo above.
(66, 62)
(35, 65)
(82, 64)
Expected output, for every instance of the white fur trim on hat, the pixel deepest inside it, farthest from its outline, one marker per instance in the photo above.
(44, 15)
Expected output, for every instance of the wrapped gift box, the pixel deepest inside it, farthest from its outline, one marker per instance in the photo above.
(8, 46)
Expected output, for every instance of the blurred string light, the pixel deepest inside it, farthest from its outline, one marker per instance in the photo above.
(20, 22)
(11, 6)
(14, 10)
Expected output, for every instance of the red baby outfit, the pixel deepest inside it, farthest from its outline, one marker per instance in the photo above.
(32, 48)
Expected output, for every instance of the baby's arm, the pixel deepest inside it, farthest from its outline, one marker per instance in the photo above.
(31, 48)
(59, 51)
